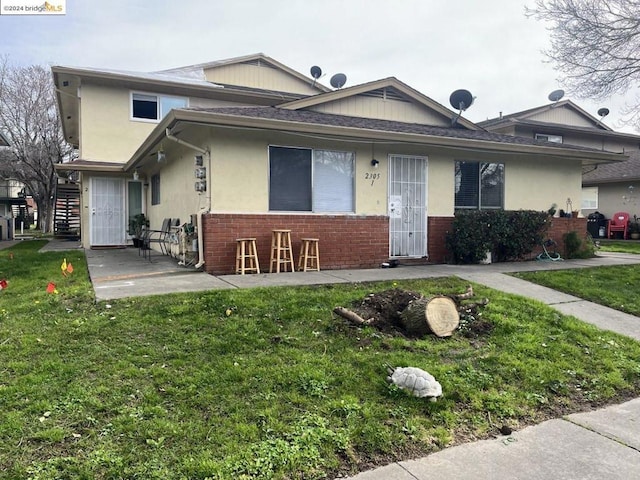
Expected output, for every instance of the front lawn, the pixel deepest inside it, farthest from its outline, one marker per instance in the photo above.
(612, 286)
(268, 383)
(619, 246)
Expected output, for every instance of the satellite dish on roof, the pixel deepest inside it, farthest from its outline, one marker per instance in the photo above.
(556, 95)
(461, 99)
(603, 112)
(316, 72)
(338, 80)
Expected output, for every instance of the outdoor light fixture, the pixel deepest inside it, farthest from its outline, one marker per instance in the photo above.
(375, 163)
(161, 156)
(136, 176)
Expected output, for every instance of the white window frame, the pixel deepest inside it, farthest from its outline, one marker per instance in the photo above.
(549, 138)
(589, 198)
(159, 113)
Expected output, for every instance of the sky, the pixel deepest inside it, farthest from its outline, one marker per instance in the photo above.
(435, 46)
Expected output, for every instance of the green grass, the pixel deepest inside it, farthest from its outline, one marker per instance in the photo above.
(620, 246)
(267, 383)
(613, 286)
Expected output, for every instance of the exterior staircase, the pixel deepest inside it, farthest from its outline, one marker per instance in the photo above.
(66, 217)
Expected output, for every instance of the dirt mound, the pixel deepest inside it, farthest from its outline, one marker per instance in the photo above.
(382, 310)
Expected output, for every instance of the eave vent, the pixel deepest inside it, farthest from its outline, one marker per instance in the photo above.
(386, 94)
(257, 62)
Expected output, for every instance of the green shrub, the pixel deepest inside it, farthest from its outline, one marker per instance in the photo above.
(508, 235)
(576, 247)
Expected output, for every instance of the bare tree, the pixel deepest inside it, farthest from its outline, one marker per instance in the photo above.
(596, 45)
(29, 119)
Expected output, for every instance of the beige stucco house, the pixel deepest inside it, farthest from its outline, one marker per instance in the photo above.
(607, 187)
(240, 147)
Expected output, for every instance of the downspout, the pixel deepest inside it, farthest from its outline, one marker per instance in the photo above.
(202, 210)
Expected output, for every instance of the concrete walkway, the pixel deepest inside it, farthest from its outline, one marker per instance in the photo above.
(603, 444)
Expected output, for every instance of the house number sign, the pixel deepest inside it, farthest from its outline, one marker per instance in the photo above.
(372, 176)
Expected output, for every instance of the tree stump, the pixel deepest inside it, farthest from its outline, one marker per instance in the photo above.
(437, 314)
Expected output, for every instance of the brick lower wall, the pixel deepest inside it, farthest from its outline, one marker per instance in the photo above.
(559, 226)
(345, 241)
(437, 232)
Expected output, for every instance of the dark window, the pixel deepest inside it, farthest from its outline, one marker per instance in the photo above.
(289, 179)
(479, 185)
(155, 189)
(305, 180)
(145, 106)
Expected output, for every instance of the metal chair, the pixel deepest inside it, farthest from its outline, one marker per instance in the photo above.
(150, 237)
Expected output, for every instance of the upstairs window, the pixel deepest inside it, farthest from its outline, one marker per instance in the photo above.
(479, 185)
(150, 107)
(549, 138)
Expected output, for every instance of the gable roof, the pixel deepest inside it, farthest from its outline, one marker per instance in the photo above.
(527, 116)
(184, 80)
(391, 87)
(253, 59)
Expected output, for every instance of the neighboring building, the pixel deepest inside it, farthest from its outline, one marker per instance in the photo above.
(608, 187)
(13, 203)
(612, 188)
(247, 145)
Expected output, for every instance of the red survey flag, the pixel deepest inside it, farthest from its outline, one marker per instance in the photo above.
(51, 288)
(3, 284)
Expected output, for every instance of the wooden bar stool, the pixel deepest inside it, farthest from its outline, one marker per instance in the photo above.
(309, 258)
(281, 253)
(246, 251)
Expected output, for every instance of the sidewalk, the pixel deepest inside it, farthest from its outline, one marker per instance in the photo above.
(584, 446)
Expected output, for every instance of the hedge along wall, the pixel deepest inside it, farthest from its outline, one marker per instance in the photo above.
(470, 235)
(346, 241)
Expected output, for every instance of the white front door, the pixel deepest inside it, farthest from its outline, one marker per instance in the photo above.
(107, 223)
(407, 206)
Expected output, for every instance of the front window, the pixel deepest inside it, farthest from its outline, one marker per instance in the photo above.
(154, 107)
(305, 180)
(479, 185)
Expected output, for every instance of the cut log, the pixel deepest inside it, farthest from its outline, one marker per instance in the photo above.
(438, 314)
